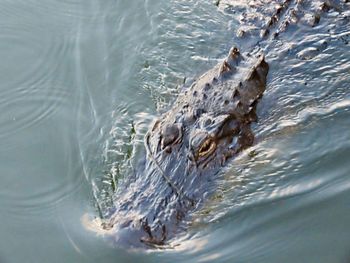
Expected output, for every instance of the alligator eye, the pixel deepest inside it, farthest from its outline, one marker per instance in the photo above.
(207, 147)
(171, 134)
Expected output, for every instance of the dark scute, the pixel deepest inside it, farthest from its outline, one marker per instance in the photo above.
(206, 87)
(198, 112)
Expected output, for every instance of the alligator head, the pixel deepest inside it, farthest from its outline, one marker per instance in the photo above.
(208, 124)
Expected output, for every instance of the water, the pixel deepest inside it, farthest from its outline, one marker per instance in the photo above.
(78, 77)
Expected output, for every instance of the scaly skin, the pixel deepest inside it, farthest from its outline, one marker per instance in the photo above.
(208, 125)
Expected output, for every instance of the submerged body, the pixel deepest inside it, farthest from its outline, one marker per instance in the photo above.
(209, 124)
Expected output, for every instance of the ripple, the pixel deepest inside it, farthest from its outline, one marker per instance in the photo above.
(22, 112)
(32, 88)
(36, 86)
(36, 198)
(198, 31)
(60, 11)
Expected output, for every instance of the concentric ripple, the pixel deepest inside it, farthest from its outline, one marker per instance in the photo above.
(36, 89)
(32, 86)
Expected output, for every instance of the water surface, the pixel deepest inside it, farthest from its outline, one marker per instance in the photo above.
(82, 80)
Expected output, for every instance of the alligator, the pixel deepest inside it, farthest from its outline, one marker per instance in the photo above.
(208, 125)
